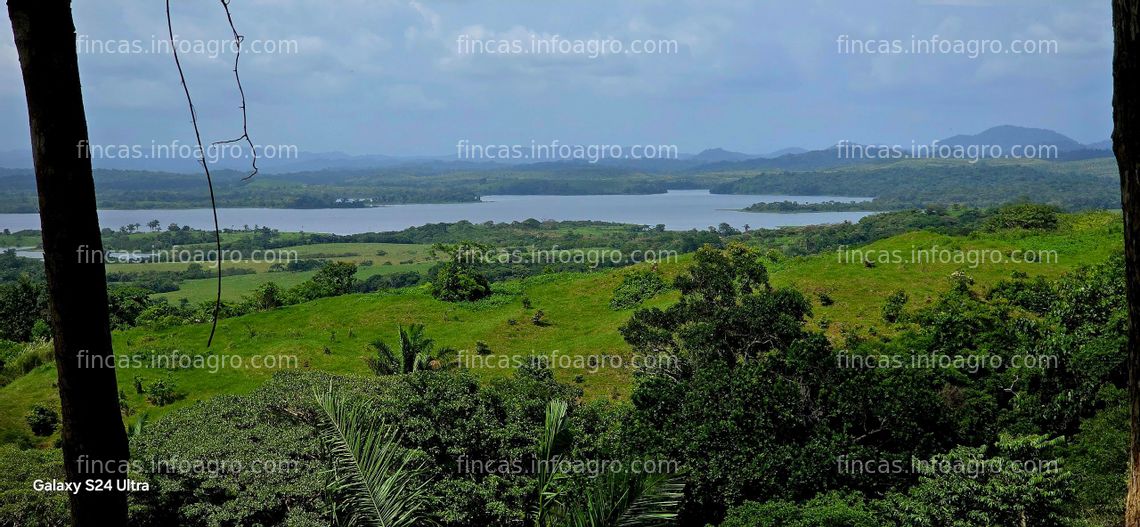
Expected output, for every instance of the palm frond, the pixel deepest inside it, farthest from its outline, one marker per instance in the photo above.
(413, 344)
(548, 476)
(657, 498)
(385, 362)
(373, 480)
(627, 499)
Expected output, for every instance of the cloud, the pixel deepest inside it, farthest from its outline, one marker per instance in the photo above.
(746, 75)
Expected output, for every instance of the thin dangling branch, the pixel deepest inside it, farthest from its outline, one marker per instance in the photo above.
(237, 77)
(205, 167)
(198, 137)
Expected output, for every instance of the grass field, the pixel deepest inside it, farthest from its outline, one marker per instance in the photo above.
(385, 258)
(859, 292)
(333, 334)
(234, 287)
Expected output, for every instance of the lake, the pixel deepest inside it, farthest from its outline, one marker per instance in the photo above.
(678, 209)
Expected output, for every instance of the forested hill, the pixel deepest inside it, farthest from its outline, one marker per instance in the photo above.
(1073, 186)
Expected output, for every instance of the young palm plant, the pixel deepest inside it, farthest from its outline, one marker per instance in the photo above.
(415, 353)
(614, 499)
(372, 481)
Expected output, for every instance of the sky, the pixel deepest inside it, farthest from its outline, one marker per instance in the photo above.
(412, 77)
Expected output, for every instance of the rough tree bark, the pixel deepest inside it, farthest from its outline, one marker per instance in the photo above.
(1126, 144)
(94, 441)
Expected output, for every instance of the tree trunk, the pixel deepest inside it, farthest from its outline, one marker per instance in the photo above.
(1126, 145)
(94, 441)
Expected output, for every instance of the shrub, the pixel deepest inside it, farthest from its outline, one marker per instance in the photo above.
(267, 296)
(19, 503)
(162, 393)
(42, 420)
(21, 359)
(829, 510)
(636, 288)
(1023, 216)
(893, 308)
(379, 282)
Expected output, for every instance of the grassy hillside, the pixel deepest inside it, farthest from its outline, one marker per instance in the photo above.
(859, 292)
(333, 334)
(395, 258)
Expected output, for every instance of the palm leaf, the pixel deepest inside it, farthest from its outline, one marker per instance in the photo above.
(656, 500)
(374, 482)
(413, 345)
(385, 361)
(548, 453)
(626, 499)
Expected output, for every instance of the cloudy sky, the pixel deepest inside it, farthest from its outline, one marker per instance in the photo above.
(394, 76)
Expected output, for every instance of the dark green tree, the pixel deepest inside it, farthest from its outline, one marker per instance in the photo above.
(459, 279)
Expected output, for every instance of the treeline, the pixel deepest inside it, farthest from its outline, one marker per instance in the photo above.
(530, 232)
(433, 183)
(167, 281)
(983, 184)
(826, 206)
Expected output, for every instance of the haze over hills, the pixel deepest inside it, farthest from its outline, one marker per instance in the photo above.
(1008, 137)
(714, 155)
(1004, 138)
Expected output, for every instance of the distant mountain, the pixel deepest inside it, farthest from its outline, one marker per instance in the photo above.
(1008, 137)
(711, 160)
(811, 160)
(785, 151)
(309, 161)
(714, 155)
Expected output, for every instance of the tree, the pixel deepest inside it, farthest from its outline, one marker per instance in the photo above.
(94, 440)
(335, 278)
(458, 280)
(22, 304)
(976, 487)
(267, 296)
(727, 311)
(1126, 145)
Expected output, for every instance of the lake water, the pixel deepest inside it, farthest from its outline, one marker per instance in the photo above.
(677, 209)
